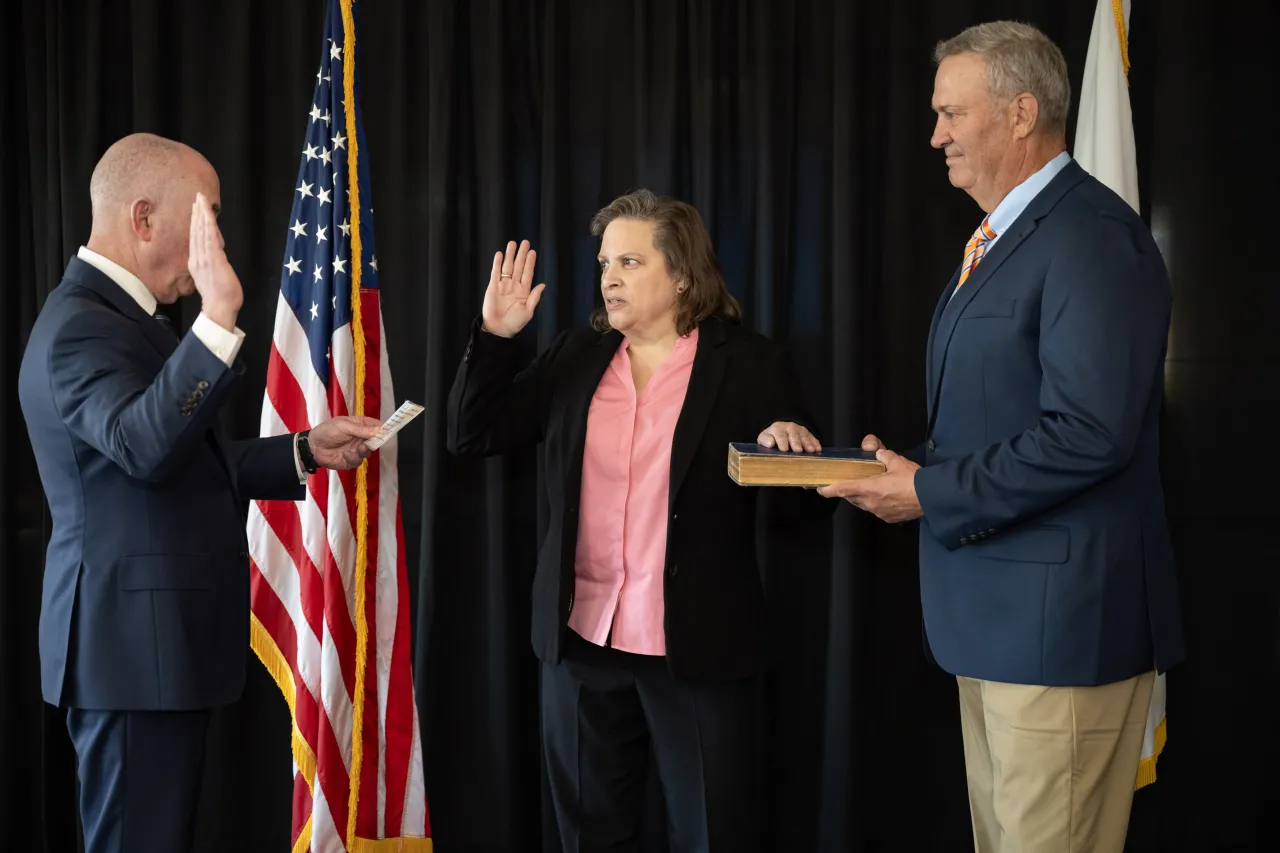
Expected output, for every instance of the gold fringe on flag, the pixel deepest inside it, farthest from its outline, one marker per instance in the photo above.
(362, 472)
(1147, 766)
(1117, 9)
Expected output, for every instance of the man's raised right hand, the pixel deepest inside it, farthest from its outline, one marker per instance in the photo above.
(217, 283)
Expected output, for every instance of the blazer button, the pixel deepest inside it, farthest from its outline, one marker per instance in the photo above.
(930, 446)
(202, 384)
(964, 540)
(992, 531)
(674, 570)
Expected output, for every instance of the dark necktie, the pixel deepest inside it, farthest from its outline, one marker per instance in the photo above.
(165, 323)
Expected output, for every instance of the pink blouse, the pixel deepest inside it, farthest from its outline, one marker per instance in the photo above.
(622, 527)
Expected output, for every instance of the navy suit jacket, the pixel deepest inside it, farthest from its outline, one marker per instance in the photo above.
(146, 581)
(1044, 552)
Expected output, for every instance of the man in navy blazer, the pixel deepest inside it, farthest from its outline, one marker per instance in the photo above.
(144, 623)
(1046, 571)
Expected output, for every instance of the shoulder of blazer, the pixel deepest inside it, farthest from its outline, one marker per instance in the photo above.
(73, 307)
(565, 348)
(1091, 199)
(572, 345)
(755, 345)
(88, 302)
(87, 282)
(593, 337)
(1091, 212)
(577, 353)
(717, 331)
(711, 332)
(1075, 196)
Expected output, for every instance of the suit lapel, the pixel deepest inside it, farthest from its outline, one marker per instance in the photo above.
(929, 369)
(955, 305)
(699, 400)
(947, 315)
(90, 277)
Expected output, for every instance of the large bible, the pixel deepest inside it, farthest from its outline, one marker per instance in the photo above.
(754, 465)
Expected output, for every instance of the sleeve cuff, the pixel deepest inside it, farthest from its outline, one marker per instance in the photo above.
(297, 461)
(223, 344)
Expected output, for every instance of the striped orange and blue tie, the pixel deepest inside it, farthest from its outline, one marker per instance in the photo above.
(976, 248)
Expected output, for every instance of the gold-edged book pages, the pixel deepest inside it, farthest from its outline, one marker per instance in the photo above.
(753, 465)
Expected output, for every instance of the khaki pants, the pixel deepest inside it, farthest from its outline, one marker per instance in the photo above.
(1052, 769)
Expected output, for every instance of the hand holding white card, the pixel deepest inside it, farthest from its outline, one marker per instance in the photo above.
(407, 412)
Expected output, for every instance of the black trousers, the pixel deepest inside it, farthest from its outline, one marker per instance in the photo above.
(139, 778)
(606, 714)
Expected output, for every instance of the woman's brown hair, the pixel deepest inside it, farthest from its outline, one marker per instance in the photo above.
(681, 236)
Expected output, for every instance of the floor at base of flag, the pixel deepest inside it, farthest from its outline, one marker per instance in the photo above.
(606, 714)
(1051, 769)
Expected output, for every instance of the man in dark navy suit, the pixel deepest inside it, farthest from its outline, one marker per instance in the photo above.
(145, 614)
(1046, 571)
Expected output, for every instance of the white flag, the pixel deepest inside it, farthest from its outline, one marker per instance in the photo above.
(1105, 149)
(1104, 130)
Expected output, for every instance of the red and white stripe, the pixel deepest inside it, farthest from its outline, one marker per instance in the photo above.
(304, 597)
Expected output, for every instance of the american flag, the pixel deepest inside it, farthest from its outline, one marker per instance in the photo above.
(330, 598)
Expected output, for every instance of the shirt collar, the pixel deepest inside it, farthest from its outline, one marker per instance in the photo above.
(1011, 207)
(128, 282)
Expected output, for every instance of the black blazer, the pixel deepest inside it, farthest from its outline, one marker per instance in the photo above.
(715, 620)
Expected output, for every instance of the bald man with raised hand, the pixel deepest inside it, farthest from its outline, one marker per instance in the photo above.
(144, 623)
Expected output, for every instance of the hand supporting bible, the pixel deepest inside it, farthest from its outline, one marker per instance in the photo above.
(890, 496)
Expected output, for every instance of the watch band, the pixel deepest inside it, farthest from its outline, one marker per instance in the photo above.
(304, 453)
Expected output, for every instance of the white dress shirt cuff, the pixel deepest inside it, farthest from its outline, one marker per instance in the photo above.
(225, 345)
(297, 461)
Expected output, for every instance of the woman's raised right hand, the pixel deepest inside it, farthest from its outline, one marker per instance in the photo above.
(508, 301)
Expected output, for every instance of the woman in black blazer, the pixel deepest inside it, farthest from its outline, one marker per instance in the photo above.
(648, 609)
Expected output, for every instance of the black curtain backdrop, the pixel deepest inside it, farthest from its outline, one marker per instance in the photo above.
(800, 130)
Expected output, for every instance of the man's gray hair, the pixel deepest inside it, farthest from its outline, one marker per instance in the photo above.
(1020, 59)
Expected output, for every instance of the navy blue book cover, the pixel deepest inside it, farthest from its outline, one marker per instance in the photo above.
(824, 453)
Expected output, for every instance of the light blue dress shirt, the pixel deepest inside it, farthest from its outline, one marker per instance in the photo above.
(1008, 210)
(1011, 207)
